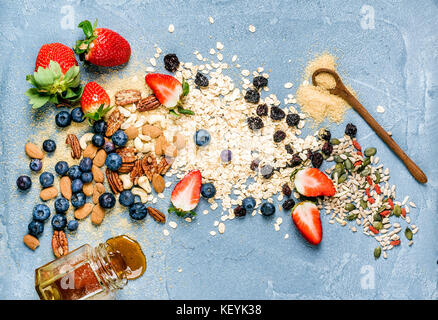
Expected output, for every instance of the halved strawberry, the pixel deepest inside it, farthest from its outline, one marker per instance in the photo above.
(311, 182)
(95, 102)
(168, 90)
(186, 194)
(306, 217)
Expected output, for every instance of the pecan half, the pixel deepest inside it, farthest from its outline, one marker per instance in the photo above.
(73, 142)
(157, 215)
(137, 171)
(128, 96)
(126, 167)
(126, 152)
(59, 244)
(114, 181)
(115, 120)
(149, 165)
(148, 104)
(163, 166)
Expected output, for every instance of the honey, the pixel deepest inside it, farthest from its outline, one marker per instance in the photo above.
(91, 273)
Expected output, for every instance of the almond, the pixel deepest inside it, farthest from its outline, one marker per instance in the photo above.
(171, 151)
(98, 190)
(179, 140)
(33, 151)
(84, 211)
(99, 159)
(151, 131)
(98, 175)
(48, 193)
(87, 189)
(132, 132)
(31, 242)
(90, 151)
(65, 187)
(97, 214)
(158, 183)
(160, 145)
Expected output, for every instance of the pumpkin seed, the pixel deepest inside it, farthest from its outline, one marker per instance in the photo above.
(377, 225)
(350, 207)
(377, 252)
(352, 217)
(335, 141)
(377, 174)
(363, 204)
(340, 168)
(397, 210)
(366, 162)
(408, 233)
(377, 217)
(365, 172)
(370, 152)
(338, 159)
(342, 178)
(348, 164)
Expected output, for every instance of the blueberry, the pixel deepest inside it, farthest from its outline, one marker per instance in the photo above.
(63, 119)
(85, 164)
(77, 115)
(59, 221)
(78, 199)
(208, 190)
(61, 205)
(119, 138)
(61, 168)
(74, 172)
(249, 204)
(41, 213)
(107, 200)
(86, 177)
(46, 179)
(138, 211)
(35, 165)
(109, 147)
(72, 225)
(24, 182)
(113, 161)
(35, 228)
(226, 155)
(99, 127)
(98, 140)
(267, 209)
(76, 185)
(202, 137)
(49, 145)
(126, 198)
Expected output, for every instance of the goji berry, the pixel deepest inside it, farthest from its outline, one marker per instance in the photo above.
(369, 180)
(358, 163)
(371, 200)
(373, 230)
(391, 203)
(357, 145)
(385, 213)
(377, 188)
(404, 212)
(367, 191)
(395, 242)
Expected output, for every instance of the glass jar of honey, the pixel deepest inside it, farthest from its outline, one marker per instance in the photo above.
(91, 273)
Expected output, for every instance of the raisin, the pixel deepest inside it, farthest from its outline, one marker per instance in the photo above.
(316, 159)
(171, 62)
(279, 136)
(288, 204)
(292, 119)
(351, 130)
(267, 171)
(327, 148)
(296, 160)
(277, 113)
(255, 123)
(289, 149)
(252, 96)
(262, 110)
(201, 80)
(286, 190)
(324, 134)
(260, 82)
(239, 211)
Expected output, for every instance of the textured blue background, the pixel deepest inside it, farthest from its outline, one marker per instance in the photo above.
(393, 65)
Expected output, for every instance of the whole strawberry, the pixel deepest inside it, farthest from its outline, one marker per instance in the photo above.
(56, 76)
(102, 47)
(95, 102)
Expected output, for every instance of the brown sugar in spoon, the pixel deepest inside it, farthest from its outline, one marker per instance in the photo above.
(341, 91)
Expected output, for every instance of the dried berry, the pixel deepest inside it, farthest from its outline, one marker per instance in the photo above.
(327, 148)
(288, 204)
(255, 123)
(201, 80)
(239, 211)
(351, 130)
(296, 160)
(324, 134)
(260, 82)
(289, 149)
(267, 171)
(262, 110)
(316, 159)
(252, 96)
(254, 164)
(277, 113)
(292, 119)
(286, 190)
(279, 136)
(171, 62)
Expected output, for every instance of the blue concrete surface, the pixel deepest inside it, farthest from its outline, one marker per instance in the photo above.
(392, 64)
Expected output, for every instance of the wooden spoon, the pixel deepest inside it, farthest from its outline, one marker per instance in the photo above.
(341, 91)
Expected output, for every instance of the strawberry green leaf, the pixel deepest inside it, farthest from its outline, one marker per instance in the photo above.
(87, 28)
(35, 99)
(180, 213)
(181, 110)
(101, 111)
(173, 112)
(186, 87)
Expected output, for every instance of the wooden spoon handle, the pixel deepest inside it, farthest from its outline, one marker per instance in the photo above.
(416, 172)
